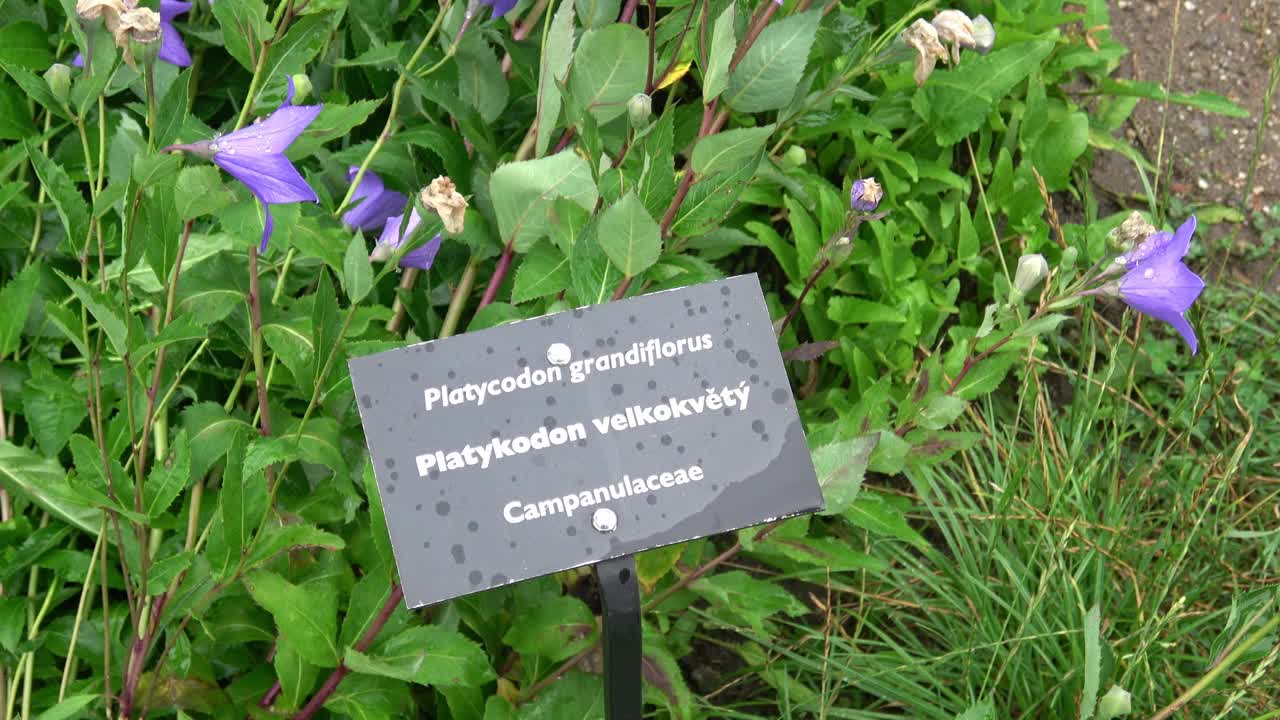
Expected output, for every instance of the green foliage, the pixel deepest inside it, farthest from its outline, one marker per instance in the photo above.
(1018, 497)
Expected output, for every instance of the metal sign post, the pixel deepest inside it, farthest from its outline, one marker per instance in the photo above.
(623, 638)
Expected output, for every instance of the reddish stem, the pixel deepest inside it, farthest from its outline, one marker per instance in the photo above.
(628, 11)
(499, 272)
(808, 285)
(331, 683)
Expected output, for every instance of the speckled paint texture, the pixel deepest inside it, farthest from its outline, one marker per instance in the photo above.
(458, 526)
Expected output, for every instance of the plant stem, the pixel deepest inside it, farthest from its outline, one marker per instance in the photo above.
(808, 285)
(86, 589)
(459, 299)
(331, 683)
(398, 308)
(255, 315)
(1226, 663)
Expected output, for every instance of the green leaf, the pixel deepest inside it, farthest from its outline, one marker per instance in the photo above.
(1063, 141)
(959, 100)
(367, 598)
(69, 708)
(377, 518)
(325, 328)
(629, 236)
(872, 513)
(609, 67)
(770, 72)
(357, 273)
(15, 297)
(1203, 100)
(1040, 326)
(377, 56)
(858, 311)
(545, 271)
(368, 697)
(941, 411)
(244, 27)
(26, 474)
(26, 45)
(103, 309)
(729, 149)
(243, 501)
(200, 191)
(276, 539)
(300, 44)
(576, 696)
(711, 199)
(597, 13)
(480, 80)
(162, 572)
(168, 478)
(715, 76)
(306, 618)
(841, 467)
(72, 208)
(981, 710)
(53, 406)
(1092, 662)
(334, 121)
(297, 677)
(171, 113)
(37, 89)
(738, 597)
(553, 67)
(428, 655)
(15, 121)
(523, 194)
(556, 629)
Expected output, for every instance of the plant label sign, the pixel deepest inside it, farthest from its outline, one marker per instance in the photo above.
(564, 440)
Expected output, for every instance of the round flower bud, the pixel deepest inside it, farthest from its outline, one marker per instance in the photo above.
(1031, 270)
(984, 35)
(301, 87)
(1069, 257)
(865, 195)
(640, 110)
(58, 77)
(1115, 703)
(794, 156)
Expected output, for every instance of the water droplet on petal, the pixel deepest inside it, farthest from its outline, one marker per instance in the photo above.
(1122, 260)
(1149, 273)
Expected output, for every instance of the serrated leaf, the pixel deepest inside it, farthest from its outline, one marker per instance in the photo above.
(711, 199)
(576, 696)
(480, 80)
(15, 297)
(428, 655)
(243, 502)
(280, 538)
(244, 27)
(958, 100)
(609, 67)
(728, 149)
(200, 191)
(553, 67)
(629, 236)
(556, 629)
(736, 596)
(297, 677)
(73, 211)
(841, 467)
(544, 271)
(872, 513)
(25, 474)
(767, 76)
(103, 309)
(306, 619)
(168, 478)
(523, 194)
(715, 77)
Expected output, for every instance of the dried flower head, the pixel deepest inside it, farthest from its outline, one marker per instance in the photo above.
(443, 197)
(923, 38)
(1132, 231)
(955, 29)
(138, 35)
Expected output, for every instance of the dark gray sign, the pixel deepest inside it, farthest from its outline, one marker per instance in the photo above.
(564, 440)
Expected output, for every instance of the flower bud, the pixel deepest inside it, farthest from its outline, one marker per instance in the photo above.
(984, 35)
(1069, 257)
(301, 87)
(865, 195)
(794, 156)
(1132, 231)
(58, 77)
(1031, 270)
(1114, 704)
(640, 110)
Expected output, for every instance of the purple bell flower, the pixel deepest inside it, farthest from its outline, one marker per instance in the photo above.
(391, 240)
(375, 202)
(254, 155)
(172, 49)
(499, 7)
(1159, 284)
(865, 195)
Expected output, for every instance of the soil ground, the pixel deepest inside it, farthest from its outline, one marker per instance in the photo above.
(1223, 46)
